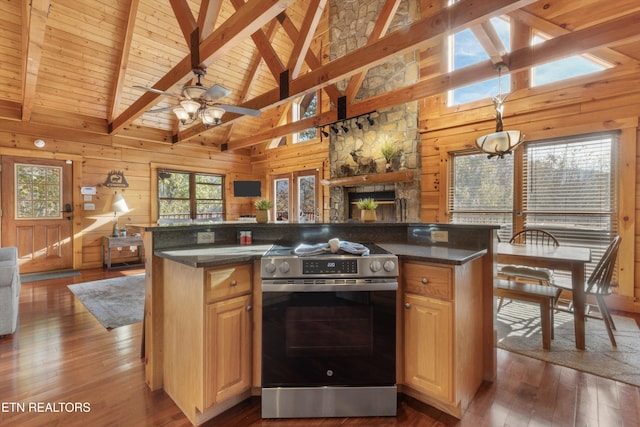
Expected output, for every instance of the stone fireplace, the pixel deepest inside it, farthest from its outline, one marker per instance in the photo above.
(362, 145)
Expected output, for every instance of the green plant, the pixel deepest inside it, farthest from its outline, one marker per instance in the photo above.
(367, 204)
(389, 150)
(263, 205)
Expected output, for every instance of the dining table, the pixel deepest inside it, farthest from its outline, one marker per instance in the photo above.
(566, 258)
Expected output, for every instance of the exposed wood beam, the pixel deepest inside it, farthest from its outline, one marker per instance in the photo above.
(250, 76)
(449, 20)
(124, 59)
(609, 33)
(615, 31)
(380, 28)
(312, 60)
(37, 22)
(185, 18)
(490, 41)
(209, 11)
(238, 27)
(307, 31)
(549, 28)
(265, 48)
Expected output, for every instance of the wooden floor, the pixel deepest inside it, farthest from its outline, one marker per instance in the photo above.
(67, 370)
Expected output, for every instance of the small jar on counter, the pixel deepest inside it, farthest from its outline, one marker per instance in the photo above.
(246, 238)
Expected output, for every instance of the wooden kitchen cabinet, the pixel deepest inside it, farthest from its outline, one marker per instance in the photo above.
(428, 329)
(442, 333)
(207, 337)
(228, 349)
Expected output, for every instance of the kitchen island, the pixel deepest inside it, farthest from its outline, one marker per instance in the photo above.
(207, 298)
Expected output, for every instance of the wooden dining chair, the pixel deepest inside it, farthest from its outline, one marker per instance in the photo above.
(534, 236)
(541, 276)
(599, 285)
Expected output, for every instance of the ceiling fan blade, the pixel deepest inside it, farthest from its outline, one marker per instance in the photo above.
(239, 110)
(158, 91)
(160, 110)
(215, 92)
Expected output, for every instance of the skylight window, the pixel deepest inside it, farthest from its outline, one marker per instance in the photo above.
(465, 49)
(573, 66)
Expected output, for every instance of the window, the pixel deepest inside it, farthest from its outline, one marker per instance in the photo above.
(481, 191)
(38, 192)
(565, 68)
(190, 196)
(296, 197)
(568, 188)
(302, 108)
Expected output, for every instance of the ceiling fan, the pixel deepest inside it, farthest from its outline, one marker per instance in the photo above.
(198, 102)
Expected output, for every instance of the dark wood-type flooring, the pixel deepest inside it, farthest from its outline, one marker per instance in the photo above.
(61, 357)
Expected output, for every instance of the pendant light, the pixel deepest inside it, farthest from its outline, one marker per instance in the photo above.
(500, 142)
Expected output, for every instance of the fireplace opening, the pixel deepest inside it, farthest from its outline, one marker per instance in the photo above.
(386, 210)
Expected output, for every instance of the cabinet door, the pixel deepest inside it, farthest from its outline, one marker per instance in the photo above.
(227, 370)
(428, 346)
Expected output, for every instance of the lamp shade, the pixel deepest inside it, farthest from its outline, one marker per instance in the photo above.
(120, 204)
(194, 91)
(212, 115)
(191, 107)
(499, 142)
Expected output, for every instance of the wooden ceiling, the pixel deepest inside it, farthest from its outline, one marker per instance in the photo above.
(73, 65)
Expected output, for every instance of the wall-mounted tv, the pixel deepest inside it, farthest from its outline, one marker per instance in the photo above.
(246, 189)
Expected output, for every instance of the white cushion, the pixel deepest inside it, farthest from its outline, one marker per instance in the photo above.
(527, 272)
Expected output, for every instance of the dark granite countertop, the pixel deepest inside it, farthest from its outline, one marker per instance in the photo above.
(439, 254)
(212, 256)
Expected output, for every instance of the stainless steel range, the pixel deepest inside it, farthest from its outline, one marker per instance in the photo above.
(328, 331)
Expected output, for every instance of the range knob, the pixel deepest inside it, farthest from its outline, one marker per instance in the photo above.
(284, 267)
(270, 268)
(389, 266)
(375, 266)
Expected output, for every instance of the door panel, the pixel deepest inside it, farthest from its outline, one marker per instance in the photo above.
(43, 244)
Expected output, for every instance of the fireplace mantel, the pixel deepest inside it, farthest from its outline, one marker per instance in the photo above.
(374, 178)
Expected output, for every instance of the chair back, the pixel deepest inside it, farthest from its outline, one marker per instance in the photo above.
(534, 236)
(599, 282)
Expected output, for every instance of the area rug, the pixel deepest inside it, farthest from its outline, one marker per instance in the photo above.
(115, 302)
(518, 326)
(47, 275)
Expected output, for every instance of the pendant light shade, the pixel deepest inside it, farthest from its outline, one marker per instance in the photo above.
(500, 142)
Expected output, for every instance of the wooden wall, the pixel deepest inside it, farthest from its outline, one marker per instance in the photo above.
(94, 160)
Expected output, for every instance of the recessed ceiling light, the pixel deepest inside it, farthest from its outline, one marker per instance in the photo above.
(39, 143)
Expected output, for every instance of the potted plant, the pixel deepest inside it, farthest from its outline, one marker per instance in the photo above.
(263, 206)
(367, 209)
(389, 150)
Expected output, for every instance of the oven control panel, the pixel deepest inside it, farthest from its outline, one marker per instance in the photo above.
(318, 267)
(329, 266)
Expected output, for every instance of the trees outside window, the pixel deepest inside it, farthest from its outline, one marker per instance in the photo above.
(190, 196)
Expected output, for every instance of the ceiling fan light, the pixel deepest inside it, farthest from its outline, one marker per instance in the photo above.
(194, 91)
(181, 114)
(191, 107)
(212, 115)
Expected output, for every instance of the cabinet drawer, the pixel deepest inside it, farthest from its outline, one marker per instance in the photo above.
(429, 280)
(226, 282)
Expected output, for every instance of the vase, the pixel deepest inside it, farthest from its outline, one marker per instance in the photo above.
(262, 216)
(367, 215)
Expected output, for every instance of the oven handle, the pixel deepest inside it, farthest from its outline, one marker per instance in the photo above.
(329, 287)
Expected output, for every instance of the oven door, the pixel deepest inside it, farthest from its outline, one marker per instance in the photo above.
(328, 334)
